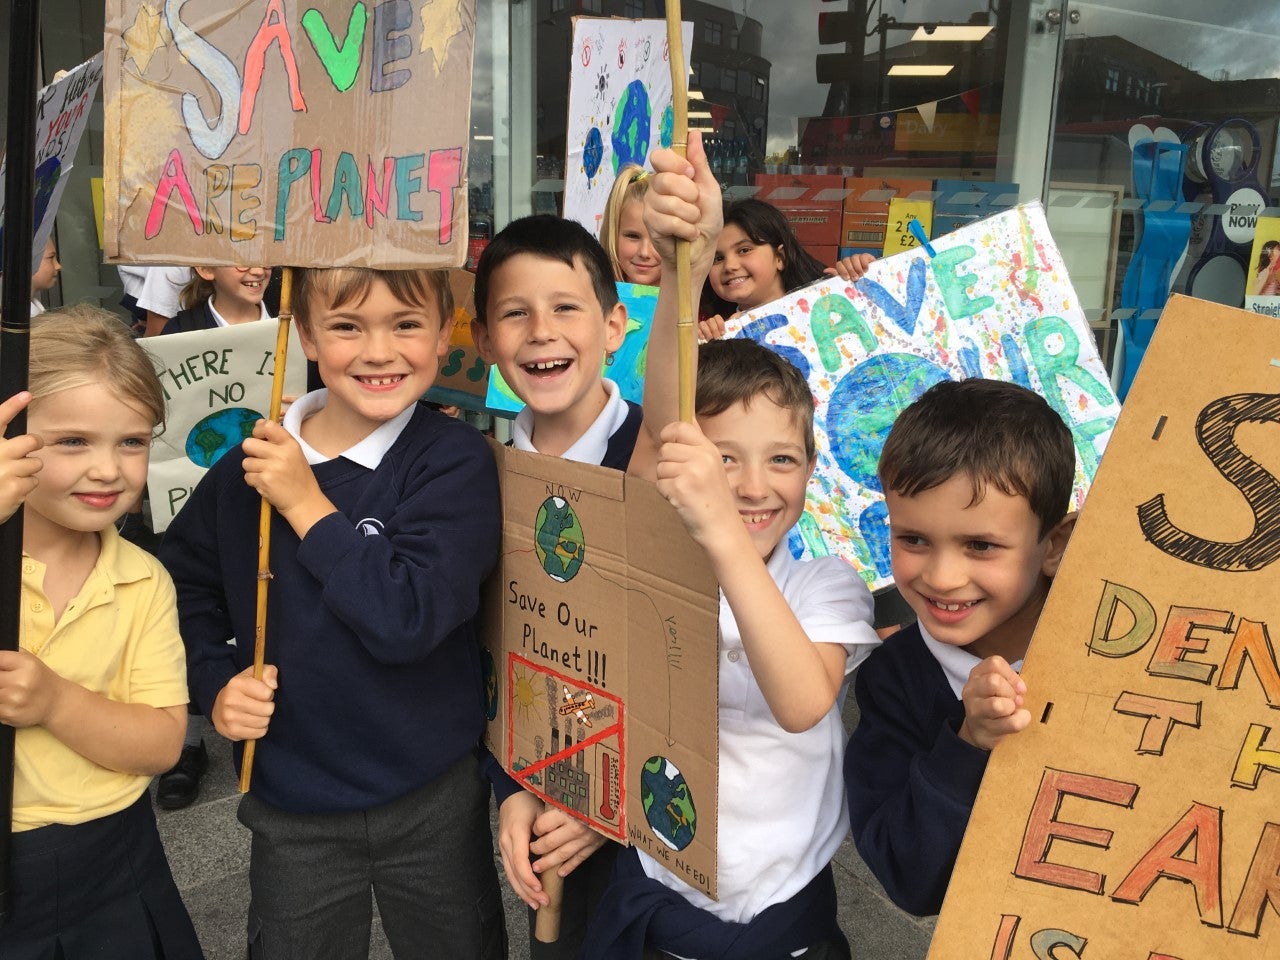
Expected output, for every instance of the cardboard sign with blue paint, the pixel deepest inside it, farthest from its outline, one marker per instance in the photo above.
(619, 106)
(993, 301)
(627, 368)
(62, 113)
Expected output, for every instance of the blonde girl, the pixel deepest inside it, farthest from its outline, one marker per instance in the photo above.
(97, 690)
(622, 231)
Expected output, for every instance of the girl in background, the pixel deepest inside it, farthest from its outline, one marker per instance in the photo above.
(622, 231)
(758, 259)
(221, 297)
(98, 689)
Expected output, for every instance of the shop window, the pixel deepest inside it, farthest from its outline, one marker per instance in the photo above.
(1113, 80)
(591, 6)
(633, 9)
(711, 32)
(729, 80)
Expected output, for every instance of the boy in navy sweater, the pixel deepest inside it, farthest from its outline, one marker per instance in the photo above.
(548, 316)
(369, 711)
(977, 477)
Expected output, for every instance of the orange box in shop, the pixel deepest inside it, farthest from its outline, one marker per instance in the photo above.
(866, 209)
(814, 226)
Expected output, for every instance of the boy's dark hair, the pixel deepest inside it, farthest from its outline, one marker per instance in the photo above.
(995, 433)
(337, 286)
(552, 238)
(739, 370)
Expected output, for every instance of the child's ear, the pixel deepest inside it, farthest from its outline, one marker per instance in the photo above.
(446, 334)
(204, 273)
(484, 345)
(615, 327)
(779, 258)
(1058, 538)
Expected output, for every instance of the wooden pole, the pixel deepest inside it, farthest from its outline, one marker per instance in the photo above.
(15, 339)
(264, 516)
(686, 332)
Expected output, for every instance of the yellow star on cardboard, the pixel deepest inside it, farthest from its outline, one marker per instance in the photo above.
(148, 34)
(441, 22)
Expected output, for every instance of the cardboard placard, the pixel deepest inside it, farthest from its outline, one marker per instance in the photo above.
(464, 376)
(619, 106)
(62, 112)
(217, 385)
(994, 302)
(264, 133)
(1137, 814)
(601, 628)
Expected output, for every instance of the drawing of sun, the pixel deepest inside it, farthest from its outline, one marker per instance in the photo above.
(525, 694)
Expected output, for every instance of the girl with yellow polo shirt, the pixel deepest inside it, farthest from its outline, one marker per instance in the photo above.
(98, 690)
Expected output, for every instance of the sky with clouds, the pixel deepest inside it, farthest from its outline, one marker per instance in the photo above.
(1241, 38)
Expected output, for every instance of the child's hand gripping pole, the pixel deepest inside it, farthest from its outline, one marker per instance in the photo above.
(264, 515)
(686, 332)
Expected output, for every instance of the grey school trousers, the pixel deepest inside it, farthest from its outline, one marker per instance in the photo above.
(427, 857)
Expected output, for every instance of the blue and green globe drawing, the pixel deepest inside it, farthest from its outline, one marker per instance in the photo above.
(864, 405)
(631, 124)
(667, 126)
(592, 153)
(558, 540)
(668, 804)
(219, 432)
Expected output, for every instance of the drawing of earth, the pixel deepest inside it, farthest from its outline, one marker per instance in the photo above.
(668, 804)
(666, 126)
(219, 432)
(558, 540)
(631, 127)
(592, 153)
(864, 405)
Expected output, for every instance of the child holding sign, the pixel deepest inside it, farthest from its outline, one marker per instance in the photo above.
(977, 478)
(548, 315)
(790, 633)
(758, 260)
(221, 297)
(386, 521)
(98, 689)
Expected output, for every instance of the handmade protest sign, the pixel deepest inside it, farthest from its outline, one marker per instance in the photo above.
(626, 367)
(619, 106)
(217, 385)
(994, 301)
(62, 112)
(600, 659)
(1136, 817)
(258, 132)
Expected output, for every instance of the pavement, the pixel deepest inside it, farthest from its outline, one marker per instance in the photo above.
(209, 853)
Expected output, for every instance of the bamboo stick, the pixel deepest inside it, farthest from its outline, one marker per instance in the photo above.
(264, 516)
(686, 332)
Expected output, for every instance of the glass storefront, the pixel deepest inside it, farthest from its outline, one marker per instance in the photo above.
(1147, 128)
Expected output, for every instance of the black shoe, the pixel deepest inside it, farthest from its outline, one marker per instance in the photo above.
(180, 786)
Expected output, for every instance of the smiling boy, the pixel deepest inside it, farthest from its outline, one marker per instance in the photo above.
(977, 478)
(370, 708)
(548, 316)
(790, 632)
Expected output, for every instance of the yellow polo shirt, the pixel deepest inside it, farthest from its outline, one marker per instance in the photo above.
(118, 637)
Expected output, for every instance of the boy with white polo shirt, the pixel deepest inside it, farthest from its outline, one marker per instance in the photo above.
(790, 634)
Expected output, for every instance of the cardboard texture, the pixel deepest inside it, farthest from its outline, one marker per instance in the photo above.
(217, 385)
(260, 132)
(619, 106)
(464, 376)
(62, 113)
(1137, 814)
(601, 625)
(995, 301)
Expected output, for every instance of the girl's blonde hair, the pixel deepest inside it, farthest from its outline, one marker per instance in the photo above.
(632, 184)
(196, 292)
(82, 344)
